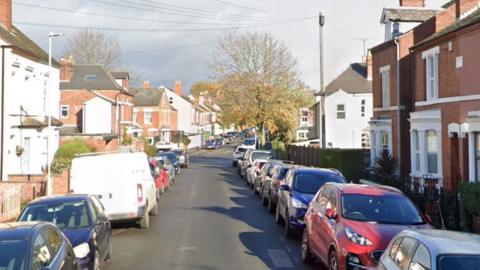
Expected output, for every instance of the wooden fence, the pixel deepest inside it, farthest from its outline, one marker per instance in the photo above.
(9, 202)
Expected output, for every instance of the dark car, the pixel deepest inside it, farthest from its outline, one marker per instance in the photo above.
(183, 157)
(35, 245)
(271, 186)
(82, 219)
(173, 159)
(301, 185)
(211, 144)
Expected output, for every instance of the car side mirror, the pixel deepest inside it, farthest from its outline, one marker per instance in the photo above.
(285, 187)
(330, 214)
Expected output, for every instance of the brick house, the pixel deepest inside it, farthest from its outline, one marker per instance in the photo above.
(93, 106)
(445, 122)
(154, 114)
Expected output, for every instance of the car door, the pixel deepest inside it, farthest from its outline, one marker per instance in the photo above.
(320, 218)
(285, 195)
(102, 225)
(327, 226)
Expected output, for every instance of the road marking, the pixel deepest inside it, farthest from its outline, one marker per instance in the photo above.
(187, 248)
(280, 258)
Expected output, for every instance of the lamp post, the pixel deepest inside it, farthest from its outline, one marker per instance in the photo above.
(47, 109)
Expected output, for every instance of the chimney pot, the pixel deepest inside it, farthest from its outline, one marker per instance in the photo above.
(178, 87)
(6, 14)
(412, 3)
(146, 84)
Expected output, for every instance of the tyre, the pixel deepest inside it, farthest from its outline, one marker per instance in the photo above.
(289, 232)
(108, 257)
(307, 256)
(145, 221)
(264, 199)
(96, 261)
(271, 205)
(332, 260)
(154, 211)
(278, 217)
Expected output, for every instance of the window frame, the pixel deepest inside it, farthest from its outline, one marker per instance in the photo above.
(385, 87)
(412, 259)
(427, 151)
(476, 155)
(431, 61)
(417, 153)
(344, 111)
(150, 117)
(409, 256)
(363, 107)
(65, 108)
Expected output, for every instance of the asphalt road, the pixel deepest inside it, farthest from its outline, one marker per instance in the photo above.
(209, 220)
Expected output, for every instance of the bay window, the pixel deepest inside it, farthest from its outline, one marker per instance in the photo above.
(416, 150)
(432, 152)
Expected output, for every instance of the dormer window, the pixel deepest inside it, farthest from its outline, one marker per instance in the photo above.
(396, 29)
(90, 78)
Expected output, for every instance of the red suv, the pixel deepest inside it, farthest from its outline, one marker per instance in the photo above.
(349, 226)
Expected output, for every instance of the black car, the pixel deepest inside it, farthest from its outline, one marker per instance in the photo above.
(35, 245)
(173, 159)
(82, 219)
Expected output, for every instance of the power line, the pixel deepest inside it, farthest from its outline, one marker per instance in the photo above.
(170, 48)
(239, 6)
(115, 16)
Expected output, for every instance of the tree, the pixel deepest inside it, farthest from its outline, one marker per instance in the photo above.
(94, 47)
(259, 83)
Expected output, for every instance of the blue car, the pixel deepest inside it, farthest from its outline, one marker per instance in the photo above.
(82, 219)
(294, 196)
(35, 245)
(211, 144)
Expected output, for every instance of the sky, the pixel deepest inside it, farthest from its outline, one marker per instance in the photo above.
(167, 40)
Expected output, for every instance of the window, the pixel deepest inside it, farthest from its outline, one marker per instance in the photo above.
(416, 149)
(432, 152)
(64, 111)
(421, 259)
(394, 248)
(304, 118)
(362, 108)
(148, 117)
(54, 240)
(431, 73)
(384, 140)
(341, 111)
(477, 155)
(404, 253)
(134, 116)
(25, 158)
(41, 256)
(302, 135)
(385, 88)
(150, 140)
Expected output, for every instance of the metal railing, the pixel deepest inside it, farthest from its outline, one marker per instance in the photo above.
(9, 202)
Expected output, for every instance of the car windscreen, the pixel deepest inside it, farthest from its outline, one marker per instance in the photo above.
(283, 172)
(310, 183)
(66, 215)
(383, 209)
(241, 150)
(13, 254)
(261, 155)
(459, 262)
(249, 142)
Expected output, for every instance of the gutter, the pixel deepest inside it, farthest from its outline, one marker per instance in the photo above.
(399, 132)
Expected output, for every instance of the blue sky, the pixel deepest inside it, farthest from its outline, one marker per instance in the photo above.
(167, 40)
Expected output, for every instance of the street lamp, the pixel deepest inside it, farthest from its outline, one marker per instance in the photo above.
(47, 108)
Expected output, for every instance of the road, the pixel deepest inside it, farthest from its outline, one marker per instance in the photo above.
(208, 220)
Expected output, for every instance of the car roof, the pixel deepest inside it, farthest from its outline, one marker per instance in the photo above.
(446, 242)
(374, 190)
(19, 230)
(60, 198)
(316, 170)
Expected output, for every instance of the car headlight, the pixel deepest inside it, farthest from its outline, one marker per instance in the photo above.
(81, 251)
(298, 204)
(357, 238)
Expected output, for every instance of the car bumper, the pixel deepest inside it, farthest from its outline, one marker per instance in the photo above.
(296, 220)
(86, 263)
(361, 257)
(118, 218)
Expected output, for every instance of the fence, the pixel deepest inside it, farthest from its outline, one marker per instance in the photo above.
(10, 202)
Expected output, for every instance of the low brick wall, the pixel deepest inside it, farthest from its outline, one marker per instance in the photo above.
(61, 183)
(29, 190)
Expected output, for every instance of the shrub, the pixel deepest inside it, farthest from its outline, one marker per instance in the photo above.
(469, 203)
(186, 140)
(126, 139)
(385, 166)
(66, 152)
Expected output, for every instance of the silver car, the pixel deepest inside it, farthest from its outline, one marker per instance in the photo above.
(432, 249)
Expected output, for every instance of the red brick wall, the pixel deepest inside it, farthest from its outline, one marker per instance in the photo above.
(412, 3)
(6, 13)
(61, 183)
(29, 189)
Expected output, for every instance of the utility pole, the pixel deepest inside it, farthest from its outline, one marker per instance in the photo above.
(321, 135)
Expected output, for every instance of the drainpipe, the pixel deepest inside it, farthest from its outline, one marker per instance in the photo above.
(118, 116)
(3, 111)
(399, 132)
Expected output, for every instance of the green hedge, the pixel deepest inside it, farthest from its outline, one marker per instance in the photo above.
(66, 152)
(349, 161)
(469, 203)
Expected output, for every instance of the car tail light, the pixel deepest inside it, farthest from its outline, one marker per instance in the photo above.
(139, 193)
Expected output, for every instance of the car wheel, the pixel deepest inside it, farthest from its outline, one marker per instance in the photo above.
(145, 221)
(154, 211)
(278, 217)
(96, 261)
(288, 228)
(307, 255)
(332, 260)
(270, 205)
(108, 257)
(264, 199)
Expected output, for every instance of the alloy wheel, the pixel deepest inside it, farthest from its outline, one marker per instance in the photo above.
(332, 261)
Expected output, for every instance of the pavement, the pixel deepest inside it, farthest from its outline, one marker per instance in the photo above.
(209, 219)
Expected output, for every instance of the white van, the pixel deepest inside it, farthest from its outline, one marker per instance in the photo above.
(122, 181)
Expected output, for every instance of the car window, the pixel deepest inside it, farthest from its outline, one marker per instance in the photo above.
(394, 249)
(54, 240)
(459, 262)
(13, 254)
(404, 253)
(288, 178)
(421, 259)
(332, 201)
(41, 256)
(323, 198)
(310, 183)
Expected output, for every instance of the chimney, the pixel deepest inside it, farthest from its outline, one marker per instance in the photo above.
(369, 64)
(146, 84)
(412, 3)
(464, 6)
(178, 88)
(6, 14)
(66, 70)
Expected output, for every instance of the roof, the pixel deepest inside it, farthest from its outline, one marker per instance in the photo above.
(67, 130)
(407, 14)
(17, 230)
(447, 242)
(458, 25)
(18, 39)
(353, 81)
(60, 198)
(120, 74)
(147, 96)
(32, 122)
(373, 190)
(91, 77)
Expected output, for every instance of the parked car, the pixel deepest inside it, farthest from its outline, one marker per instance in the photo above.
(301, 185)
(161, 175)
(254, 171)
(164, 161)
(250, 143)
(237, 155)
(271, 188)
(432, 249)
(211, 144)
(183, 157)
(122, 181)
(349, 226)
(220, 142)
(251, 156)
(35, 245)
(242, 162)
(173, 159)
(264, 176)
(82, 220)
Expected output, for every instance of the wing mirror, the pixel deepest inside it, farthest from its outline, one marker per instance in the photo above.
(285, 187)
(330, 214)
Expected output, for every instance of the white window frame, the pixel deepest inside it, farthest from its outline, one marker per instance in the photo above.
(62, 109)
(385, 86)
(134, 116)
(344, 111)
(363, 107)
(148, 120)
(436, 152)
(303, 117)
(431, 58)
